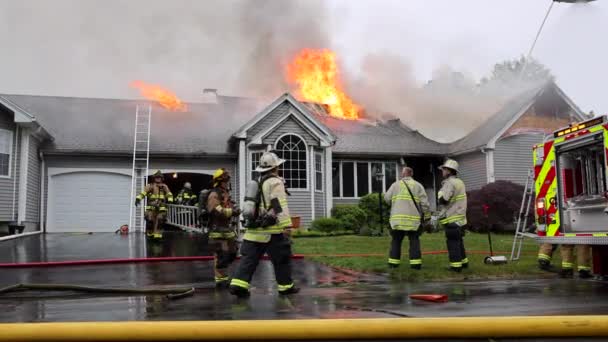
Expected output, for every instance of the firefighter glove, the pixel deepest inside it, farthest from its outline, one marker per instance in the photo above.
(137, 200)
(236, 212)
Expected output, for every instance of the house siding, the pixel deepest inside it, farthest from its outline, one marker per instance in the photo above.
(513, 157)
(299, 205)
(319, 204)
(269, 119)
(290, 126)
(7, 184)
(472, 170)
(32, 210)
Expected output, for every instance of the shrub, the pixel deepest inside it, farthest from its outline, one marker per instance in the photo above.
(353, 218)
(504, 201)
(326, 224)
(374, 230)
(313, 234)
(370, 206)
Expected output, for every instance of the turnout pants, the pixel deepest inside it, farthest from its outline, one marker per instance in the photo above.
(394, 257)
(279, 250)
(456, 251)
(154, 220)
(583, 257)
(224, 251)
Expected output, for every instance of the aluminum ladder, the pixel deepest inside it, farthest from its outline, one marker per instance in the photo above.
(522, 218)
(141, 163)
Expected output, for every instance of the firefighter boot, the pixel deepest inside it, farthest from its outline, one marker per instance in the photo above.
(239, 291)
(544, 265)
(585, 274)
(566, 273)
(291, 290)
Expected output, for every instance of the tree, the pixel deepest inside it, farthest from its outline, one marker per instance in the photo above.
(510, 71)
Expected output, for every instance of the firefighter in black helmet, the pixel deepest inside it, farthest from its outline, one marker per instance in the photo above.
(158, 195)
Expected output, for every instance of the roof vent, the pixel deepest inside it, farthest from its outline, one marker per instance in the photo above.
(210, 95)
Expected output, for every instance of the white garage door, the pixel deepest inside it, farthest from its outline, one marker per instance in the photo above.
(88, 202)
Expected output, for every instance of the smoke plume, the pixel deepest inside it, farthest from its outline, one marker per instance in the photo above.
(95, 48)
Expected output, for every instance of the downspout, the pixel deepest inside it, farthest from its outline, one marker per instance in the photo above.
(15, 147)
(489, 156)
(42, 210)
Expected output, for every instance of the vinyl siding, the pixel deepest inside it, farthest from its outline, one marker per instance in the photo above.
(472, 170)
(7, 183)
(319, 204)
(290, 126)
(269, 119)
(32, 210)
(299, 205)
(513, 157)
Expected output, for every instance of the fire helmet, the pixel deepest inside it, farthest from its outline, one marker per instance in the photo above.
(220, 175)
(158, 174)
(269, 161)
(450, 164)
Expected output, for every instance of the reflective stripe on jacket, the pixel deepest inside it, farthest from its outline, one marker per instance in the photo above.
(454, 192)
(404, 215)
(158, 195)
(272, 188)
(220, 212)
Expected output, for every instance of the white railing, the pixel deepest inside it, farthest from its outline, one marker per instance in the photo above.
(184, 217)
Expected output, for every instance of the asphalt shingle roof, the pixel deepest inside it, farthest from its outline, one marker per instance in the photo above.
(107, 125)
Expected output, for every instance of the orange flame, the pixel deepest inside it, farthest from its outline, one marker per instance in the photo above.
(315, 72)
(164, 97)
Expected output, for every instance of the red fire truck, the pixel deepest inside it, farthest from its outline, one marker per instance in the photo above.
(570, 176)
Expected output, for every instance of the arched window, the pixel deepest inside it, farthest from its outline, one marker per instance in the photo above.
(293, 149)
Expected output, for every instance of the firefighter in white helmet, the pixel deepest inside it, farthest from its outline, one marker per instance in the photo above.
(409, 210)
(186, 196)
(453, 210)
(222, 233)
(268, 233)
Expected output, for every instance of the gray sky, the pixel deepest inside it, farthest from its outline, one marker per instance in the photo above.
(95, 48)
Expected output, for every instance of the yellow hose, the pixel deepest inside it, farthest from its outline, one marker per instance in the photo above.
(314, 329)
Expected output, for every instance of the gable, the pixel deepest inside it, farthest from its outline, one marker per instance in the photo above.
(548, 113)
(272, 117)
(291, 125)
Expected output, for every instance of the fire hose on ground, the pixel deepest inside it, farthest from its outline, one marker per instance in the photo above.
(171, 293)
(312, 329)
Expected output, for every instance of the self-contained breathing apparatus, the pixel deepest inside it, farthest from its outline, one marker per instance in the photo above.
(254, 215)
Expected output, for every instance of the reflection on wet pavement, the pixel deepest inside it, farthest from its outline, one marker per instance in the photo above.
(327, 292)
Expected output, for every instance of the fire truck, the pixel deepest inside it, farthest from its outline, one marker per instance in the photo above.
(571, 194)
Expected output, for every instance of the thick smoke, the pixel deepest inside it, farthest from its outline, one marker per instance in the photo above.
(95, 48)
(444, 109)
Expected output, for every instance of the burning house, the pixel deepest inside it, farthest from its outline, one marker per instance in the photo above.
(65, 163)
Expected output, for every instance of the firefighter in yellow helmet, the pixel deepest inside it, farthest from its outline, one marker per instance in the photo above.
(222, 226)
(158, 195)
(268, 234)
(453, 210)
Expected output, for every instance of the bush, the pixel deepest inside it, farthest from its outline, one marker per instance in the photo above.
(374, 230)
(370, 206)
(504, 201)
(353, 218)
(326, 224)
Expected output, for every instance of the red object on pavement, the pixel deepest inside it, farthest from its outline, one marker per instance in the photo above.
(437, 298)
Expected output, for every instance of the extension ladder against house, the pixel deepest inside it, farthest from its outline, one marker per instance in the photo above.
(522, 218)
(141, 163)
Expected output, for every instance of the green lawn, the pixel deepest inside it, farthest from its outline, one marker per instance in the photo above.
(434, 266)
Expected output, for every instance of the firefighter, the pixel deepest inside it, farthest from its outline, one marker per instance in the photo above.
(453, 202)
(186, 196)
(409, 210)
(545, 254)
(158, 194)
(222, 234)
(270, 236)
(583, 258)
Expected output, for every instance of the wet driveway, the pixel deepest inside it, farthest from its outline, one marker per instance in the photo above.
(326, 292)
